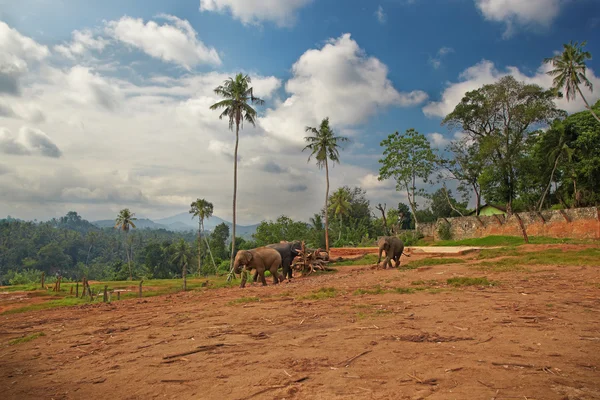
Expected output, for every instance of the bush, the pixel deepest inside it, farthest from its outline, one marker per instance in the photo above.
(444, 232)
(410, 238)
(23, 277)
(223, 267)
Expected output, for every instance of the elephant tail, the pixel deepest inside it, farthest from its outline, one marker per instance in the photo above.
(404, 254)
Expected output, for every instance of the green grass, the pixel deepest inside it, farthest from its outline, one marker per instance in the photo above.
(71, 301)
(366, 260)
(26, 339)
(377, 290)
(495, 253)
(431, 282)
(431, 261)
(496, 240)
(403, 290)
(466, 281)
(244, 300)
(586, 257)
(321, 294)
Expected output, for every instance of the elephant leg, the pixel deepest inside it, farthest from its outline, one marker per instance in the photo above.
(397, 260)
(276, 275)
(244, 274)
(262, 277)
(255, 276)
(387, 261)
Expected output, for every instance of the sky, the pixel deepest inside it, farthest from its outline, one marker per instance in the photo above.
(105, 105)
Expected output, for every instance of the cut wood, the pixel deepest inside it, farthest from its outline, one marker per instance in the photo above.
(349, 361)
(197, 350)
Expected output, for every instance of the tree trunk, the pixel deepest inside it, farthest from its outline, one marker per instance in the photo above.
(184, 275)
(587, 105)
(549, 183)
(326, 212)
(237, 138)
(385, 226)
(450, 203)
(477, 199)
(199, 242)
(87, 259)
(128, 258)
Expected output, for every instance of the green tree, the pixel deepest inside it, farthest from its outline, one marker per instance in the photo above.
(339, 206)
(407, 157)
(404, 216)
(569, 72)
(124, 222)
(218, 241)
(181, 257)
(238, 95)
(498, 118)
(444, 205)
(284, 228)
(324, 145)
(203, 210)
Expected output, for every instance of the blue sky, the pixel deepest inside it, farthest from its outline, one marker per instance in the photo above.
(105, 104)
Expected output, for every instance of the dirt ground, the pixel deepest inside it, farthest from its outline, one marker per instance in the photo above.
(535, 335)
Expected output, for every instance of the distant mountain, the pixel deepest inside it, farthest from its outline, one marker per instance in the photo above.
(142, 223)
(183, 222)
(179, 221)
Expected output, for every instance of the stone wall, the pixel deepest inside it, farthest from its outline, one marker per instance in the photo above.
(578, 223)
(428, 229)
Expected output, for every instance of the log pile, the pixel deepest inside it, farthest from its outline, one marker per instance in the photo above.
(311, 260)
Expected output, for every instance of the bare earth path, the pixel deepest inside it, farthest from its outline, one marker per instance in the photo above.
(535, 335)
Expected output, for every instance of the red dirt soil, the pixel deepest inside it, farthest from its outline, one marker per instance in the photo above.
(536, 335)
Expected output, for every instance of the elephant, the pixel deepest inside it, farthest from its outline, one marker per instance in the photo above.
(261, 259)
(393, 247)
(288, 251)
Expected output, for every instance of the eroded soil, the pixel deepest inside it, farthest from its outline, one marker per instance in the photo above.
(535, 335)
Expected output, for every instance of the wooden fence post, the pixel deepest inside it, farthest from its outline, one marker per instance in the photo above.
(140, 292)
(184, 273)
(522, 228)
(43, 280)
(118, 295)
(77, 289)
(105, 298)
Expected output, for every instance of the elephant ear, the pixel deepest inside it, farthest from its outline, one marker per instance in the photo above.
(249, 256)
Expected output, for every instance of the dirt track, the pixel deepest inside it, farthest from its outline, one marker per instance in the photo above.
(536, 335)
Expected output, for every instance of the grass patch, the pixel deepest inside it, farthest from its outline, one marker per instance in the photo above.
(44, 306)
(403, 290)
(495, 253)
(587, 257)
(366, 260)
(377, 290)
(323, 293)
(26, 339)
(431, 261)
(497, 240)
(466, 281)
(244, 300)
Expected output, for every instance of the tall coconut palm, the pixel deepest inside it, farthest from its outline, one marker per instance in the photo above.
(340, 206)
(324, 146)
(237, 95)
(203, 210)
(181, 257)
(569, 71)
(123, 222)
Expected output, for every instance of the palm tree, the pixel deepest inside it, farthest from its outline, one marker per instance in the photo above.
(201, 209)
(181, 258)
(123, 222)
(237, 93)
(324, 145)
(560, 150)
(91, 238)
(340, 205)
(569, 71)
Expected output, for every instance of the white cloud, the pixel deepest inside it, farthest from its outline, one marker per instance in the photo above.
(520, 12)
(175, 42)
(485, 73)
(338, 81)
(82, 42)
(381, 16)
(29, 141)
(16, 52)
(281, 12)
(438, 140)
(436, 61)
(371, 181)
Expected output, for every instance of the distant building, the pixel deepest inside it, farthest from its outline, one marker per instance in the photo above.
(490, 209)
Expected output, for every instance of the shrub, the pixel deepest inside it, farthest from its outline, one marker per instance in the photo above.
(444, 232)
(411, 238)
(23, 277)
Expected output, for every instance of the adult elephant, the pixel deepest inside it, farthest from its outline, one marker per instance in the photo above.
(287, 250)
(393, 247)
(262, 259)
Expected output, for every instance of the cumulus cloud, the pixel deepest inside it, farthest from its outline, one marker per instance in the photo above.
(16, 52)
(175, 41)
(486, 72)
(82, 43)
(29, 141)
(340, 81)
(380, 15)
(438, 140)
(281, 12)
(536, 13)
(87, 87)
